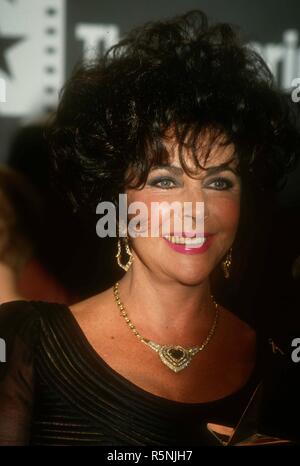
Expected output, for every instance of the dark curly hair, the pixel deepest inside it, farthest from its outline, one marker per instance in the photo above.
(111, 122)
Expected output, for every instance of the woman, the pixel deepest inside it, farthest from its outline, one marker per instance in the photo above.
(177, 111)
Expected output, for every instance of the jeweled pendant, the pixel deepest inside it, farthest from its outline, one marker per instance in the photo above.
(175, 358)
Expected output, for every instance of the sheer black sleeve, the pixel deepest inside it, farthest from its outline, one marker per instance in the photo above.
(18, 329)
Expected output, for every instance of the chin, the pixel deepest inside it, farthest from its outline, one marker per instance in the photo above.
(191, 278)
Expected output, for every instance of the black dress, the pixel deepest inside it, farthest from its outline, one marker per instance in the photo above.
(56, 390)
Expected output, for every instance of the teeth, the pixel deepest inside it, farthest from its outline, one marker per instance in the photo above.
(188, 241)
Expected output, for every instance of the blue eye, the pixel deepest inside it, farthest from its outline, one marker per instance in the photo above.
(221, 184)
(163, 183)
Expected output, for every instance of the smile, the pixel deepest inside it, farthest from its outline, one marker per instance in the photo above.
(187, 245)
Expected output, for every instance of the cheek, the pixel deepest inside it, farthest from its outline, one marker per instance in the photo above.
(225, 212)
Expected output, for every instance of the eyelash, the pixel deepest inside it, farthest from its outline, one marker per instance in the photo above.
(229, 184)
(155, 182)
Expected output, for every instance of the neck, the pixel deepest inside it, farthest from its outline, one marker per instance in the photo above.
(165, 309)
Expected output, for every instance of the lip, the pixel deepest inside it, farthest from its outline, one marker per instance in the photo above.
(184, 249)
(187, 234)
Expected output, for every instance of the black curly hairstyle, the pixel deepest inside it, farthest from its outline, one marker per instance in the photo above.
(183, 73)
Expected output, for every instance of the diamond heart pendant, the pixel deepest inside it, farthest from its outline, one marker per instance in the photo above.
(175, 358)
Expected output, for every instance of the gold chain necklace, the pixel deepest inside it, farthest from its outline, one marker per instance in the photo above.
(175, 357)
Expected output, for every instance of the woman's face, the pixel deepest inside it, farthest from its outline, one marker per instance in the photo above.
(217, 187)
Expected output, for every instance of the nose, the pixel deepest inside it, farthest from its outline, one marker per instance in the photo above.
(195, 209)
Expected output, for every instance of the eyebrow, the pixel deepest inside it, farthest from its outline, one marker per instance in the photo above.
(209, 171)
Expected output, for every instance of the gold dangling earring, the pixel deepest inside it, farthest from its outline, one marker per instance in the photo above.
(226, 264)
(118, 255)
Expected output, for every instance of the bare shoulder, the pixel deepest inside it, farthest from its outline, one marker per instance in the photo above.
(235, 323)
(238, 332)
(93, 308)
(98, 318)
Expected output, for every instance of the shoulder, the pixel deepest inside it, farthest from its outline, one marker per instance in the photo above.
(100, 301)
(22, 319)
(89, 311)
(16, 317)
(237, 333)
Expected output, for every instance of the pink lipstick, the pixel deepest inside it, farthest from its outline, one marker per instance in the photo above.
(195, 246)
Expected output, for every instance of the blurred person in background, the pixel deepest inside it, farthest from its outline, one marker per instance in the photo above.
(21, 212)
(15, 242)
(67, 245)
